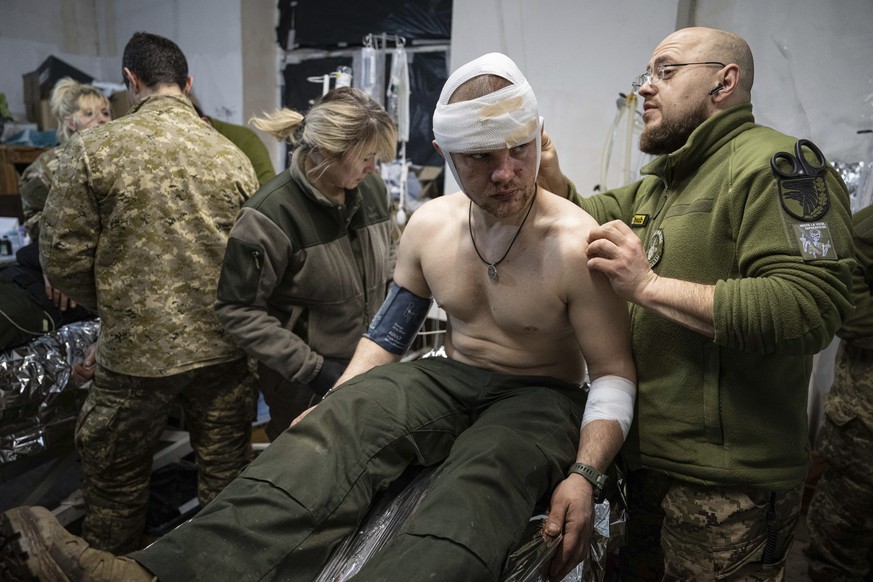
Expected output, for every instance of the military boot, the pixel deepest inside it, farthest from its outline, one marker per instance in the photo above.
(35, 546)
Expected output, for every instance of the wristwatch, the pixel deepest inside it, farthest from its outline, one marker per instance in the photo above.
(597, 479)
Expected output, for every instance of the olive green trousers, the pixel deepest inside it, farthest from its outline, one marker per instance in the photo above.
(504, 443)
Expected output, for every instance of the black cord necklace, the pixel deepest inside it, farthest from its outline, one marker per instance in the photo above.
(492, 267)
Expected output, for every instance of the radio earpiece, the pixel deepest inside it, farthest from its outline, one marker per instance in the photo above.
(717, 89)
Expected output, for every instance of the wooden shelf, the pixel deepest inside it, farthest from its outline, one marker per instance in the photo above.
(13, 160)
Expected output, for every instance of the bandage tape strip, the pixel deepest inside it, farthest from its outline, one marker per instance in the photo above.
(397, 323)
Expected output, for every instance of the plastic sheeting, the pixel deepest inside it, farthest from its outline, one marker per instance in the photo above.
(858, 177)
(39, 397)
(527, 563)
(530, 561)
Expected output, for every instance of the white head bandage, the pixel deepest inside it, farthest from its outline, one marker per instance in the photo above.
(505, 118)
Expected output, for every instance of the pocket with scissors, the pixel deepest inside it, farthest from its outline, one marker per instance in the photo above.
(802, 185)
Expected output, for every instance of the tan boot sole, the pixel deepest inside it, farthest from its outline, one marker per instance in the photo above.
(19, 561)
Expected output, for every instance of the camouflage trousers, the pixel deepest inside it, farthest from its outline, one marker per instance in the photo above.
(840, 514)
(683, 531)
(118, 431)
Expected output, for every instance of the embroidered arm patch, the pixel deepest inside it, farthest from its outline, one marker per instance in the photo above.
(814, 239)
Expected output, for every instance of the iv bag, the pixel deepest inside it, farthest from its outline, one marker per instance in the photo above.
(369, 76)
(343, 77)
(398, 93)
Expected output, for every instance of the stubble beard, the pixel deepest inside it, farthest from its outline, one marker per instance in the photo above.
(503, 210)
(670, 135)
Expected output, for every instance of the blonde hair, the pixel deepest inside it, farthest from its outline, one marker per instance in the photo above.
(342, 123)
(65, 100)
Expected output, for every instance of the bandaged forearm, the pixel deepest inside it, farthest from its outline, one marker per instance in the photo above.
(398, 320)
(611, 398)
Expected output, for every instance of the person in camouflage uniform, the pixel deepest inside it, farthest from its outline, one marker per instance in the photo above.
(34, 186)
(76, 107)
(136, 226)
(733, 288)
(840, 514)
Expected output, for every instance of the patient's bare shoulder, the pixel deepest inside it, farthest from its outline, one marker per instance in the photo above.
(569, 210)
(436, 213)
(565, 226)
(455, 202)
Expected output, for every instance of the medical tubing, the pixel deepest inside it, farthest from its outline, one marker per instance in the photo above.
(630, 107)
(28, 331)
(607, 147)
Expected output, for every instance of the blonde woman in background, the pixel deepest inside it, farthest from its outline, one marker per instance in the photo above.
(308, 261)
(76, 107)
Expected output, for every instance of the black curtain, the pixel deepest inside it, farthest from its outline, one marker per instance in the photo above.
(335, 23)
(343, 24)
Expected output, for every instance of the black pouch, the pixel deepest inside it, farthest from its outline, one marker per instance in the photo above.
(21, 318)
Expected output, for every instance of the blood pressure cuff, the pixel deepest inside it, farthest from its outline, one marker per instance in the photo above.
(398, 320)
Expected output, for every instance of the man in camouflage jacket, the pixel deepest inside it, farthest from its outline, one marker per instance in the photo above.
(840, 515)
(135, 227)
(34, 185)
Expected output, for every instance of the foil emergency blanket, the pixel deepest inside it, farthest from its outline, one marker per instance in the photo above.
(39, 396)
(529, 562)
(858, 177)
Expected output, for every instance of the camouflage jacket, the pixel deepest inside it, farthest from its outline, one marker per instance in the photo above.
(34, 186)
(859, 328)
(851, 395)
(136, 225)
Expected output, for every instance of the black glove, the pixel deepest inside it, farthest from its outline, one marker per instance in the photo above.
(331, 370)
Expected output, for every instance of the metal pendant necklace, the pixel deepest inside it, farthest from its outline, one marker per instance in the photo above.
(492, 267)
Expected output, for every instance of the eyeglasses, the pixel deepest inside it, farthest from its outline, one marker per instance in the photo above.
(664, 71)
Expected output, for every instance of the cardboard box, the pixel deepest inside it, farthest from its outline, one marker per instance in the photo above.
(40, 112)
(31, 96)
(53, 70)
(38, 87)
(430, 179)
(37, 108)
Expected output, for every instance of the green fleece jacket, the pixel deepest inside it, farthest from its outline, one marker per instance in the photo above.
(250, 144)
(732, 410)
(303, 277)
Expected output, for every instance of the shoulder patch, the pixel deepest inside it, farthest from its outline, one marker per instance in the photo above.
(803, 190)
(815, 241)
(804, 198)
(655, 248)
